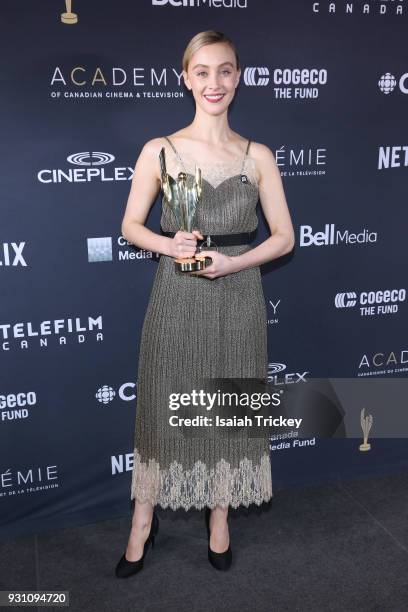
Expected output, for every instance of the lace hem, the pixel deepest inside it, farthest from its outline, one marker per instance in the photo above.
(199, 487)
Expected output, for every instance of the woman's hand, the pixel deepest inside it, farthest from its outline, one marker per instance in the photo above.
(221, 265)
(184, 244)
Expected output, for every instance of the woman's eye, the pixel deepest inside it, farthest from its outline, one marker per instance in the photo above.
(203, 72)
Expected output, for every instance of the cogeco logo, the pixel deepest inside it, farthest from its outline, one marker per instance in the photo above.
(372, 302)
(287, 82)
(13, 405)
(346, 300)
(18, 399)
(256, 76)
(297, 76)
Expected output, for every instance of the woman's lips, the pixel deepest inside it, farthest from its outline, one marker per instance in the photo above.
(214, 98)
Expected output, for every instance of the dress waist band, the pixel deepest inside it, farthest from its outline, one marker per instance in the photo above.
(222, 239)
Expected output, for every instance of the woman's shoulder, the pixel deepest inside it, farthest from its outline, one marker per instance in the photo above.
(263, 159)
(150, 153)
(154, 145)
(260, 151)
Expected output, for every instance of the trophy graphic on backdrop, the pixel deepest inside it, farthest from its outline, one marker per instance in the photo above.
(69, 17)
(366, 424)
(183, 201)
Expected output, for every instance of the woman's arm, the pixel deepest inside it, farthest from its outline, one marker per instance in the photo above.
(275, 208)
(143, 192)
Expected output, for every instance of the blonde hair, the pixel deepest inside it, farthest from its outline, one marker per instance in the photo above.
(208, 37)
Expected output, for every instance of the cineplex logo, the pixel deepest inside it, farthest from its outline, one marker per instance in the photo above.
(371, 303)
(331, 236)
(388, 82)
(277, 375)
(89, 167)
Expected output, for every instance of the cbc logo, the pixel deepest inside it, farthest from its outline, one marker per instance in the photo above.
(349, 299)
(388, 83)
(106, 394)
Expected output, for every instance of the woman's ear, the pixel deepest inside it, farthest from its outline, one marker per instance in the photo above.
(186, 80)
(238, 77)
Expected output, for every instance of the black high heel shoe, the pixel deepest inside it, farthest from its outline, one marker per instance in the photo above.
(221, 561)
(126, 568)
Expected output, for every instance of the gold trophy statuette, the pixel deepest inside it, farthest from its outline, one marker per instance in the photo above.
(366, 424)
(183, 201)
(69, 17)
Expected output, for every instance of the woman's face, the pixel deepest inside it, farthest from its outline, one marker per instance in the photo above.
(212, 77)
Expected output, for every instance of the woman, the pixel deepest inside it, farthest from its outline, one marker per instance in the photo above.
(211, 322)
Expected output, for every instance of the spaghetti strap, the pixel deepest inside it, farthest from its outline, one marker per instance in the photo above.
(247, 149)
(244, 178)
(171, 144)
(176, 152)
(245, 157)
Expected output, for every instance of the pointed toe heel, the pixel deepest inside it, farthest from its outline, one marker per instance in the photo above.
(126, 568)
(220, 561)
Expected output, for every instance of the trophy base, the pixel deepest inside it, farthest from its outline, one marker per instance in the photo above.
(69, 18)
(365, 447)
(192, 264)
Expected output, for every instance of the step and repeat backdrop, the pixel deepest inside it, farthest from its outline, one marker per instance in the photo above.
(84, 86)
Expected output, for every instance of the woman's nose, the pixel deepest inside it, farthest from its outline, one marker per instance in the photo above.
(213, 81)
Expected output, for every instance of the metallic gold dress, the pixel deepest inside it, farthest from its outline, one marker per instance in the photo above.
(213, 327)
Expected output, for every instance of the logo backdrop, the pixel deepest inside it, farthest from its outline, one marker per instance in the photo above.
(84, 86)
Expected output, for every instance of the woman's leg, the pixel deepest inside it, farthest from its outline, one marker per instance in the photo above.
(141, 522)
(219, 533)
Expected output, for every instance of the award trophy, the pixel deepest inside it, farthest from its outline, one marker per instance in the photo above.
(183, 202)
(366, 424)
(69, 17)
